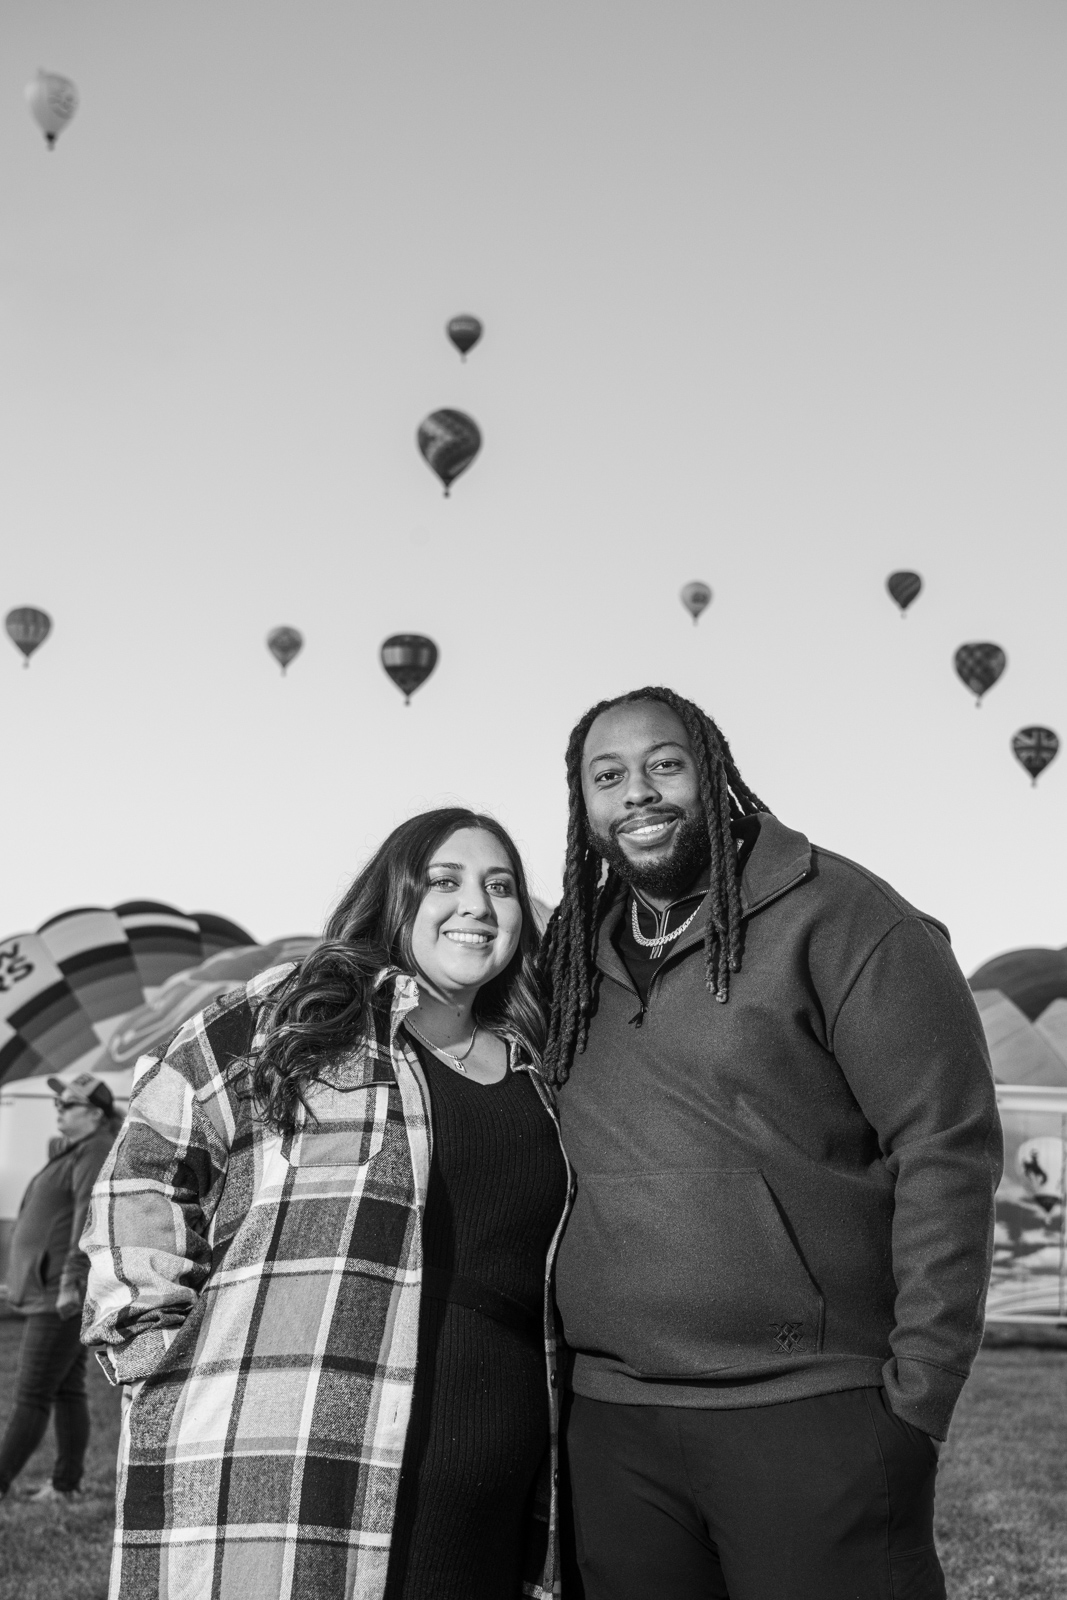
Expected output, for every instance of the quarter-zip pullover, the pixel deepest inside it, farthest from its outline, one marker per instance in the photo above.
(792, 1193)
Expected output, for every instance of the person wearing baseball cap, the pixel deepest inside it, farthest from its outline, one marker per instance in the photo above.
(46, 1284)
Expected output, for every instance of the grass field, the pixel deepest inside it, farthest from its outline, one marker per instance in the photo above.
(1002, 1489)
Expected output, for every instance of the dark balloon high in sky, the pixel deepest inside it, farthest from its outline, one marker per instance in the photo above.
(449, 441)
(464, 333)
(904, 588)
(979, 666)
(28, 628)
(409, 658)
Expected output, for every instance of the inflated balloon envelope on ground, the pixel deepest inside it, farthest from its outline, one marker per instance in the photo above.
(91, 990)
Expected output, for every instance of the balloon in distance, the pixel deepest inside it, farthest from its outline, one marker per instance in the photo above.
(904, 587)
(409, 658)
(696, 597)
(1034, 748)
(978, 666)
(464, 332)
(65, 988)
(53, 100)
(27, 628)
(1040, 1164)
(285, 644)
(449, 441)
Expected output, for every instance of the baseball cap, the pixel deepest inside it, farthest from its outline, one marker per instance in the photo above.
(86, 1089)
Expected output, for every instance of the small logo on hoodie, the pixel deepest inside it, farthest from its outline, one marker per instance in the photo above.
(787, 1335)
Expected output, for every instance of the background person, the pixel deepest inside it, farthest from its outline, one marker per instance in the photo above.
(46, 1278)
(776, 1095)
(321, 1257)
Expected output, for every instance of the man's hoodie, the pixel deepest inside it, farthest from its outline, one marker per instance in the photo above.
(792, 1193)
(45, 1256)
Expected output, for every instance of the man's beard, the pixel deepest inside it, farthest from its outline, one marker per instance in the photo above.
(671, 874)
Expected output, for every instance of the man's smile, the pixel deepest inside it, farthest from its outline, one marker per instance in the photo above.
(648, 830)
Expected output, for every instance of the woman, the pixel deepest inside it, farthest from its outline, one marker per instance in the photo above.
(46, 1285)
(321, 1254)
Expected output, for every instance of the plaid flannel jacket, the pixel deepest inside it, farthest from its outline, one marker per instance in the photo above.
(260, 1296)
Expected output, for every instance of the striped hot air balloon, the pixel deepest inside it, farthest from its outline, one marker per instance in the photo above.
(93, 990)
(65, 988)
(904, 587)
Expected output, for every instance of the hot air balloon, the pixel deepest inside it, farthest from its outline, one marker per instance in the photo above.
(53, 101)
(696, 597)
(409, 658)
(1034, 748)
(904, 588)
(979, 666)
(27, 628)
(188, 992)
(65, 988)
(449, 440)
(92, 990)
(464, 332)
(284, 644)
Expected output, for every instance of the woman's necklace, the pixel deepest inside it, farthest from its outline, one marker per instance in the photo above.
(454, 1061)
(656, 945)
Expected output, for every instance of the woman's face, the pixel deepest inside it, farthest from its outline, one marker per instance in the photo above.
(467, 928)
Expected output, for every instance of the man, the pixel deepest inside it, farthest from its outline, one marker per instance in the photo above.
(47, 1274)
(775, 1093)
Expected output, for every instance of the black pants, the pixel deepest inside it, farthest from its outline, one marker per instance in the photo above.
(830, 1498)
(51, 1378)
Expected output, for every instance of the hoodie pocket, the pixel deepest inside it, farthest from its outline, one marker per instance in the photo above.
(685, 1274)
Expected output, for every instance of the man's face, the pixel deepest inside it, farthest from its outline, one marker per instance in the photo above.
(642, 797)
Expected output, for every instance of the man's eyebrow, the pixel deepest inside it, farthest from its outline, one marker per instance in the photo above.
(610, 755)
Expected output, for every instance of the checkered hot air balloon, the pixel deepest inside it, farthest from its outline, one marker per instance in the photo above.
(904, 587)
(409, 658)
(449, 441)
(1034, 748)
(979, 666)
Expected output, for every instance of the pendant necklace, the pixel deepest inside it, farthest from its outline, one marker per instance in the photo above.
(454, 1061)
(656, 945)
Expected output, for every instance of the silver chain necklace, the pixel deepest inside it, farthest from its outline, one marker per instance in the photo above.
(657, 944)
(454, 1061)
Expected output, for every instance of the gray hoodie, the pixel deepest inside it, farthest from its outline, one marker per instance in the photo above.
(45, 1256)
(792, 1193)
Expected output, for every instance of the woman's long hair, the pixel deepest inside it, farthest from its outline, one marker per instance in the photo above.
(320, 1009)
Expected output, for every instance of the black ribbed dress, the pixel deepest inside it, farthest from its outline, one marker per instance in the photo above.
(479, 1423)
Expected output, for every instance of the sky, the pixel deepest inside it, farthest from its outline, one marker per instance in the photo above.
(773, 299)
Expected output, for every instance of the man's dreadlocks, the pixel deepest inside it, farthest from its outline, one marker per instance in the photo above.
(568, 964)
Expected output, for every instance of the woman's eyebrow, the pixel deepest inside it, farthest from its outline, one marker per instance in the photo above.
(458, 866)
